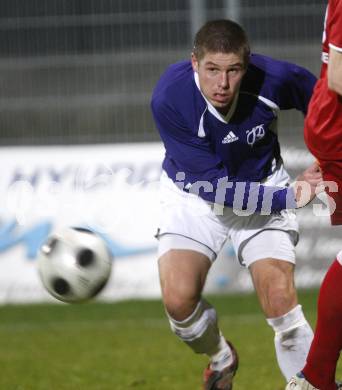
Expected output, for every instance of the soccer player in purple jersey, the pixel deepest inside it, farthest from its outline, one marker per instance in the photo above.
(224, 178)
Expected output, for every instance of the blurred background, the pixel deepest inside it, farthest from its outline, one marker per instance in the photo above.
(82, 71)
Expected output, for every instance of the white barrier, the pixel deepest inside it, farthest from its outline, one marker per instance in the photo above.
(113, 188)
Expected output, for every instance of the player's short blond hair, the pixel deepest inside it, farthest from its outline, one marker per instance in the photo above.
(221, 36)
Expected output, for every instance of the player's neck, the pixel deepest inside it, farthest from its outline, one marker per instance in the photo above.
(224, 110)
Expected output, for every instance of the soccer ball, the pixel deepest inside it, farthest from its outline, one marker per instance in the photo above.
(74, 264)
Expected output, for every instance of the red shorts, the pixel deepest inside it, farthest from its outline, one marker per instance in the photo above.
(332, 171)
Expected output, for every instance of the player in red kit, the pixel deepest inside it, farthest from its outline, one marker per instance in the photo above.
(323, 126)
(323, 136)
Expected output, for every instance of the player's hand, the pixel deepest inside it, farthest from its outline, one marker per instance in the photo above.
(308, 184)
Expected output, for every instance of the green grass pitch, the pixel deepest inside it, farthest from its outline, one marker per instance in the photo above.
(128, 345)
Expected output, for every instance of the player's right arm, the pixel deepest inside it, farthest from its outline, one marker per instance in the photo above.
(335, 71)
(191, 159)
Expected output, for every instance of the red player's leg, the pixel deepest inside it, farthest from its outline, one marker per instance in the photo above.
(325, 349)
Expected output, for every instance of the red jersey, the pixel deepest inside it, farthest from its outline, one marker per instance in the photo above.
(323, 124)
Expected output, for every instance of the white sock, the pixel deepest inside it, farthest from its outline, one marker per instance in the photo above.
(223, 358)
(201, 333)
(293, 337)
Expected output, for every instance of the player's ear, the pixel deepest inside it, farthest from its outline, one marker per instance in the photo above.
(194, 62)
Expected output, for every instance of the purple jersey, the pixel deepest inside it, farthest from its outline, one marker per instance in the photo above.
(201, 146)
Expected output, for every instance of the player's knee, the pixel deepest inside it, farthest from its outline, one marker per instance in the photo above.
(180, 309)
(182, 277)
(180, 304)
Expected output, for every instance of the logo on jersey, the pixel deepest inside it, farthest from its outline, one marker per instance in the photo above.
(255, 134)
(229, 138)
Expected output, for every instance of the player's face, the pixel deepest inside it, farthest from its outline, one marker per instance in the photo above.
(220, 75)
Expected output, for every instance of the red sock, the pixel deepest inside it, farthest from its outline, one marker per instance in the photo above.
(325, 348)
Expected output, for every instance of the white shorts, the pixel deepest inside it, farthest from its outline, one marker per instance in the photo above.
(189, 222)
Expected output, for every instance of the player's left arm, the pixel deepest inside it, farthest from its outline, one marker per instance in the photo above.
(335, 50)
(296, 88)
